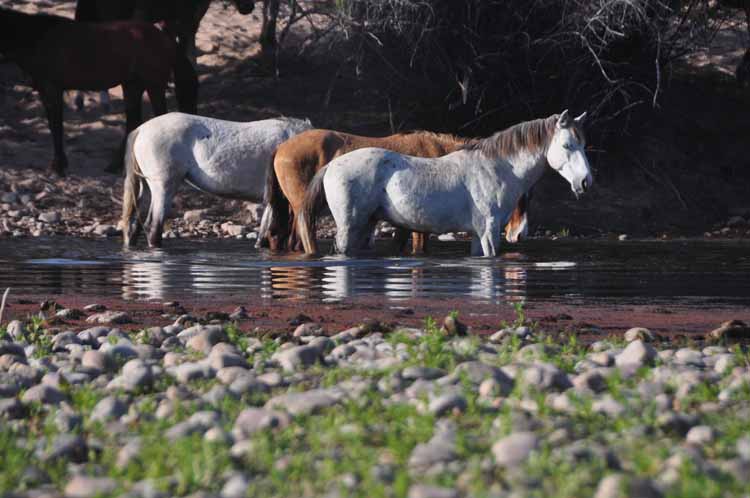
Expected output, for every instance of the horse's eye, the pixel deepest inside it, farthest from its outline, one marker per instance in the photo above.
(568, 146)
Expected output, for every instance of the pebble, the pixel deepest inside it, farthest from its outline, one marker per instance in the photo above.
(89, 487)
(43, 394)
(425, 491)
(108, 408)
(298, 357)
(639, 333)
(447, 404)
(514, 449)
(637, 353)
(305, 403)
(109, 317)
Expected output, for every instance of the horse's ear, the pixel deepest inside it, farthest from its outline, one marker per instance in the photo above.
(580, 119)
(564, 120)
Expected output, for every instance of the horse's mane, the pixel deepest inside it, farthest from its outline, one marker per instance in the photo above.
(446, 137)
(529, 136)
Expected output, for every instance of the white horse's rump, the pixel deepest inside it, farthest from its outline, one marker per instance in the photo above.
(224, 158)
(473, 190)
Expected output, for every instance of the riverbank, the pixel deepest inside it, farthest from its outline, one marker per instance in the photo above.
(375, 408)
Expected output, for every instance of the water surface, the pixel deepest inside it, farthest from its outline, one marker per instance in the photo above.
(705, 273)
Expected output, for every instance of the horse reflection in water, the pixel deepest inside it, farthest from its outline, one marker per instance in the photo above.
(327, 281)
(147, 280)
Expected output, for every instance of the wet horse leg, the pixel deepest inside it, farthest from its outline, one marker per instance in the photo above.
(133, 94)
(161, 200)
(52, 99)
(419, 242)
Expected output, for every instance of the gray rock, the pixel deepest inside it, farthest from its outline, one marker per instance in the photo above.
(308, 329)
(109, 408)
(128, 453)
(611, 486)
(304, 403)
(50, 217)
(447, 404)
(188, 333)
(637, 353)
(89, 487)
(44, 394)
(11, 348)
(413, 373)
(96, 360)
(252, 420)
(743, 448)
(514, 449)
(247, 384)
(205, 339)
(608, 406)
(190, 371)
(90, 336)
(435, 451)
(236, 486)
(11, 408)
(16, 330)
(476, 372)
(137, 374)
(639, 333)
(219, 360)
(199, 422)
(687, 356)
(545, 377)
(109, 317)
(700, 435)
(426, 491)
(592, 380)
(70, 447)
(298, 357)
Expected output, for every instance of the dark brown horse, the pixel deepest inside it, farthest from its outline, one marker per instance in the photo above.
(183, 17)
(60, 54)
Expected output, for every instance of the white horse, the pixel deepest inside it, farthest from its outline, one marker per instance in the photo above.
(473, 190)
(224, 158)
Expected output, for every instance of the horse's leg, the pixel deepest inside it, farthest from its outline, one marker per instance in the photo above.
(158, 101)
(52, 99)
(476, 246)
(491, 236)
(400, 240)
(161, 199)
(133, 94)
(419, 242)
(135, 227)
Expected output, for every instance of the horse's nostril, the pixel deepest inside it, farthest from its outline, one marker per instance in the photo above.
(585, 184)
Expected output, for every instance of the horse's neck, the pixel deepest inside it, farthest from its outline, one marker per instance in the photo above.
(526, 166)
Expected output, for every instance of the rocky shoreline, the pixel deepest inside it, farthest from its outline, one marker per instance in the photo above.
(199, 408)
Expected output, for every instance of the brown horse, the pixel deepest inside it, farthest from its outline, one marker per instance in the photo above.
(183, 17)
(60, 54)
(296, 161)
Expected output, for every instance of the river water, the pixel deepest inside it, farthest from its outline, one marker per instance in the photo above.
(692, 272)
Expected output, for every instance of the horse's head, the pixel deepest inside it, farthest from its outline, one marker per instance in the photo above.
(566, 154)
(244, 6)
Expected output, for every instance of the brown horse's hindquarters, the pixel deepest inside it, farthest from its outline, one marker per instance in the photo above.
(99, 60)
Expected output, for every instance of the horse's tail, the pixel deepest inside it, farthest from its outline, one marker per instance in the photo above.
(315, 199)
(185, 82)
(131, 191)
(86, 11)
(276, 225)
